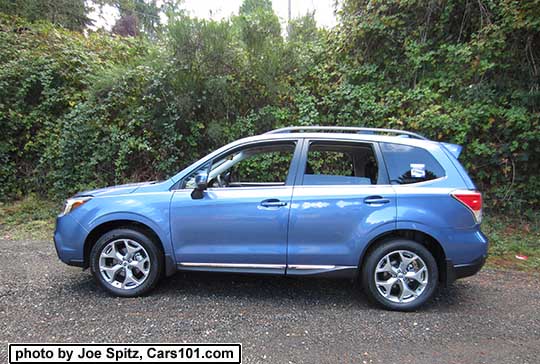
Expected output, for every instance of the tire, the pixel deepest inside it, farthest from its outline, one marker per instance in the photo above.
(409, 288)
(126, 262)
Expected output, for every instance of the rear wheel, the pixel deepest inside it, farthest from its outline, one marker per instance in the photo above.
(400, 275)
(126, 262)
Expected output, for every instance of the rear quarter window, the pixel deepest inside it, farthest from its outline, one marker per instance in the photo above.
(407, 164)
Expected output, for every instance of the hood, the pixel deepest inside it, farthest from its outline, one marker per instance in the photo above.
(114, 190)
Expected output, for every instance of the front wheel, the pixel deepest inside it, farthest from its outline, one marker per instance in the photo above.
(126, 262)
(400, 275)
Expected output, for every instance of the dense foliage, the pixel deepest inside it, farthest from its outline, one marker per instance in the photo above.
(71, 14)
(81, 111)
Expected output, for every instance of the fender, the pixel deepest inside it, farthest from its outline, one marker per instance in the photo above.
(435, 233)
(162, 234)
(374, 234)
(401, 225)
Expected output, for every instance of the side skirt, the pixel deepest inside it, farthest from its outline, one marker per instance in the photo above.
(334, 271)
(234, 268)
(326, 271)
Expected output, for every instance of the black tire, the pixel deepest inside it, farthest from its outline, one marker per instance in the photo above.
(155, 256)
(376, 255)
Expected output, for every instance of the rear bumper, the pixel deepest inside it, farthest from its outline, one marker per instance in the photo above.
(458, 271)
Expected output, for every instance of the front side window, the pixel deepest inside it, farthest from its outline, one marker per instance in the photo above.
(407, 164)
(261, 165)
(331, 163)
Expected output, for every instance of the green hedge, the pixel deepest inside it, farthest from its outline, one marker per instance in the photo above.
(79, 112)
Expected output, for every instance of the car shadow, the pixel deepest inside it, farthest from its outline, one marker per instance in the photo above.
(304, 290)
(261, 287)
(267, 289)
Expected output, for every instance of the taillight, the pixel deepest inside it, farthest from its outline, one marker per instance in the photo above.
(471, 199)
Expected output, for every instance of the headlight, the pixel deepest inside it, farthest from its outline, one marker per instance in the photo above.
(72, 203)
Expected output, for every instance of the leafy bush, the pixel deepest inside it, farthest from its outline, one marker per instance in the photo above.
(83, 111)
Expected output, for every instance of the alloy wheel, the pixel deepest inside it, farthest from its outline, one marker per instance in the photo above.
(401, 276)
(124, 264)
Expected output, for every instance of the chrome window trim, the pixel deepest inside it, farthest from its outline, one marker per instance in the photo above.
(422, 184)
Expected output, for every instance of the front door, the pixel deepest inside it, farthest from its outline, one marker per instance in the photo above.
(240, 223)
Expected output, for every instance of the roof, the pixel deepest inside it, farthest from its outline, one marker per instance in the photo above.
(348, 129)
(343, 133)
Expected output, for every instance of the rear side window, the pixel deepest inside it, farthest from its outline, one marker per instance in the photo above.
(407, 164)
(333, 163)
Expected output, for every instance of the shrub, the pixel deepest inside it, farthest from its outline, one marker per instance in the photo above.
(84, 111)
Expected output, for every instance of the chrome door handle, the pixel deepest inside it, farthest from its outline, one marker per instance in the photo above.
(376, 200)
(273, 202)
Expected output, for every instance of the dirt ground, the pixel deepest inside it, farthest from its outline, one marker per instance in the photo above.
(493, 317)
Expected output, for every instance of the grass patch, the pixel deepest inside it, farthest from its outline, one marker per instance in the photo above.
(510, 236)
(33, 219)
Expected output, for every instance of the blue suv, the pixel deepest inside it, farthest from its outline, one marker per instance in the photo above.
(388, 207)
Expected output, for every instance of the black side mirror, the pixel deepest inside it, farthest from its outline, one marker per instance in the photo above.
(201, 182)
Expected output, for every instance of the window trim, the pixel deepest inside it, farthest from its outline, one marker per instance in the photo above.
(382, 176)
(297, 142)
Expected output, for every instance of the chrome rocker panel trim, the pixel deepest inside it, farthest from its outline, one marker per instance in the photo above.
(291, 269)
(232, 265)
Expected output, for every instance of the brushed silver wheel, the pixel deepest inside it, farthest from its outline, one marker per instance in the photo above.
(124, 264)
(401, 276)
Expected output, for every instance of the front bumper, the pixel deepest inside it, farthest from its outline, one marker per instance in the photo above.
(69, 237)
(458, 271)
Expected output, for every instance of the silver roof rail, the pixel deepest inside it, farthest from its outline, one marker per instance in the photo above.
(352, 129)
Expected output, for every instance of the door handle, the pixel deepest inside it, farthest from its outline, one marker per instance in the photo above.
(273, 202)
(376, 200)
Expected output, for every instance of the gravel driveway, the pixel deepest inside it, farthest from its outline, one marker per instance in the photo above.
(491, 318)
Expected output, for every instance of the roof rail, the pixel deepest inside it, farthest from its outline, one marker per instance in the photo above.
(352, 129)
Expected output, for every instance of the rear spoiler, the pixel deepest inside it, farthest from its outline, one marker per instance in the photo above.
(454, 149)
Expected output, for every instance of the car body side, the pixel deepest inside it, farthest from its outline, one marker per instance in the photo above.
(425, 210)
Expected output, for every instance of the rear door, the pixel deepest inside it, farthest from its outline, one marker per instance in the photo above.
(341, 200)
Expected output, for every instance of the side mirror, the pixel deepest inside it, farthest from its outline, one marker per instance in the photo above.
(201, 181)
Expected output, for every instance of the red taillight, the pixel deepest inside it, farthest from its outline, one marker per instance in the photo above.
(471, 199)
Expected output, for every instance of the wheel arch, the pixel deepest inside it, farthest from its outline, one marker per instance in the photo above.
(141, 227)
(427, 240)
